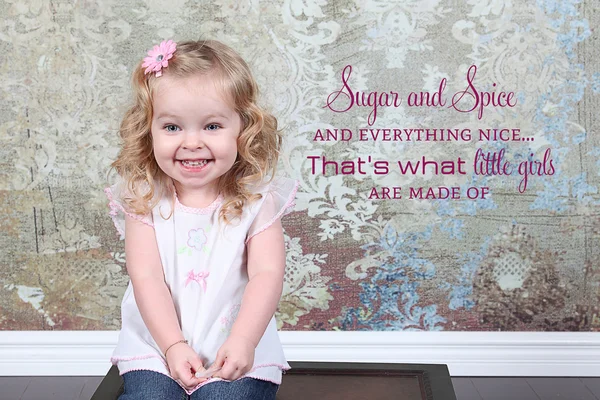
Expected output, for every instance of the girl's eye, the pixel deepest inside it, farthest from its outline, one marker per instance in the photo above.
(171, 126)
(175, 128)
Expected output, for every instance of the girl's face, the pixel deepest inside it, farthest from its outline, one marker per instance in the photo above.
(194, 134)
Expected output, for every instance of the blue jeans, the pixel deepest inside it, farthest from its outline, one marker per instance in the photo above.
(150, 385)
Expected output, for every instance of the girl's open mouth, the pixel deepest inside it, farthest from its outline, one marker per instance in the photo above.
(195, 165)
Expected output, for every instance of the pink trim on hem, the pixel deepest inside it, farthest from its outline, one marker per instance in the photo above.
(286, 209)
(280, 366)
(115, 207)
(144, 369)
(115, 360)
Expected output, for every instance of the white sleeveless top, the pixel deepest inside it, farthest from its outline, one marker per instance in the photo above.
(204, 264)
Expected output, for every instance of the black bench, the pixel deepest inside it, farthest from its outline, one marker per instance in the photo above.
(347, 381)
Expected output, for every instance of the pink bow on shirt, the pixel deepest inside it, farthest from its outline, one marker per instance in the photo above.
(200, 277)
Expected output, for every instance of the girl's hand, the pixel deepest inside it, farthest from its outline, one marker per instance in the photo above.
(235, 357)
(183, 363)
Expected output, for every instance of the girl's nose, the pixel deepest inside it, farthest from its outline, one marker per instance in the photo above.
(193, 140)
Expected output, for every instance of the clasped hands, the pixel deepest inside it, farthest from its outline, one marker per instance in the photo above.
(234, 359)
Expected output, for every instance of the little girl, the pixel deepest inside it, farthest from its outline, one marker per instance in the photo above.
(201, 221)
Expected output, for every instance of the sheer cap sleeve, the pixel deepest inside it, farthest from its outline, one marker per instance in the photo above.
(279, 200)
(116, 193)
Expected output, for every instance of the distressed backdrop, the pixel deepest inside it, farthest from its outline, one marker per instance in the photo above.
(514, 261)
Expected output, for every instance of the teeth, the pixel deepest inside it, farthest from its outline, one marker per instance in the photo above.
(194, 163)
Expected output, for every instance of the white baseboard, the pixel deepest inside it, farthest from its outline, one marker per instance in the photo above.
(51, 353)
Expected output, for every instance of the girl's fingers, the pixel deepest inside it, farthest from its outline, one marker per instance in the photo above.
(207, 373)
(186, 377)
(220, 360)
(199, 372)
(228, 371)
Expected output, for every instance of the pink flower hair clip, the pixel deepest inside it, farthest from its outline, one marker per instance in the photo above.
(158, 58)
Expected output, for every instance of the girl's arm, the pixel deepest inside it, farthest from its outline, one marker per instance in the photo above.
(151, 293)
(155, 303)
(266, 267)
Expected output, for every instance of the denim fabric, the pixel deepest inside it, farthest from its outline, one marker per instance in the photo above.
(150, 385)
(242, 389)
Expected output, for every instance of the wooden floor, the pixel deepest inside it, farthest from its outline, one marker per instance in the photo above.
(526, 388)
(82, 388)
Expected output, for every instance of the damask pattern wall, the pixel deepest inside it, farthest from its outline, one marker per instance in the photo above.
(526, 261)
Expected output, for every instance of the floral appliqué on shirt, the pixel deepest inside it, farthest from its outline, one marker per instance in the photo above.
(228, 320)
(199, 278)
(197, 239)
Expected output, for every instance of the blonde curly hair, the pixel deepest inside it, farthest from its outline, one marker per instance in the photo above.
(259, 142)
